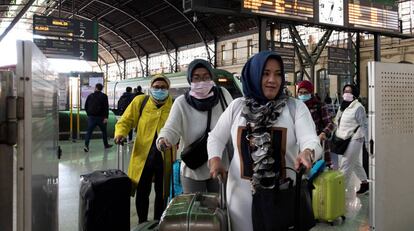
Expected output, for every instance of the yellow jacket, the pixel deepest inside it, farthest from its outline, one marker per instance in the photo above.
(150, 122)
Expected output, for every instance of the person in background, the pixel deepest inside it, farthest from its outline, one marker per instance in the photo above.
(188, 120)
(330, 106)
(320, 115)
(349, 119)
(123, 103)
(139, 91)
(97, 109)
(147, 163)
(264, 116)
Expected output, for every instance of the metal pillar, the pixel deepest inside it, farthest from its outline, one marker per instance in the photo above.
(377, 47)
(147, 66)
(272, 36)
(124, 68)
(358, 59)
(262, 33)
(176, 60)
(215, 49)
(307, 60)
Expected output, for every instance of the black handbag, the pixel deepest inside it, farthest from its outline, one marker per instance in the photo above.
(339, 145)
(284, 209)
(195, 154)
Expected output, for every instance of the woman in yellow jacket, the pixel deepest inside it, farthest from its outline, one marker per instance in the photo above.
(146, 161)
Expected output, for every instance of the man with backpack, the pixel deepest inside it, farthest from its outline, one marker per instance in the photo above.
(123, 103)
(97, 109)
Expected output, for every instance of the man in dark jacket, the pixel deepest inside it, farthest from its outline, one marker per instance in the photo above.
(123, 103)
(97, 109)
(138, 90)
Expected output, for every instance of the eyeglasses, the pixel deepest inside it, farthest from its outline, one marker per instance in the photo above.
(160, 87)
(199, 78)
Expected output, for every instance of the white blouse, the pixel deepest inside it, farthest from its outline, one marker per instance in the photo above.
(299, 133)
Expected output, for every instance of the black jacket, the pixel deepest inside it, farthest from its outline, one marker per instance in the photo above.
(97, 105)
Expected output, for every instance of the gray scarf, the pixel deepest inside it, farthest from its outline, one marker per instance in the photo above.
(259, 119)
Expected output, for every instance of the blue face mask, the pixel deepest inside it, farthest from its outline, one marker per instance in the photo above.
(305, 98)
(159, 94)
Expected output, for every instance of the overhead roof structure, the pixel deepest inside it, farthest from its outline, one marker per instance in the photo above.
(135, 29)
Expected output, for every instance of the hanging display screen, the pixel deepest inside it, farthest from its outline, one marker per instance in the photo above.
(294, 9)
(373, 16)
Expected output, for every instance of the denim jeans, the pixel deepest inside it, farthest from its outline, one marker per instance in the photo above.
(94, 121)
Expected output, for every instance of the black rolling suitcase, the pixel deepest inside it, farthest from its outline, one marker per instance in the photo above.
(104, 200)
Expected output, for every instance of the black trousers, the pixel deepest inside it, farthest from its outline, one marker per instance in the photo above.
(153, 169)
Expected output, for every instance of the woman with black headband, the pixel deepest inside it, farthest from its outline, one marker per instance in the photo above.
(350, 122)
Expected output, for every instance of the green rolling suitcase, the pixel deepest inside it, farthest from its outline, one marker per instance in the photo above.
(328, 196)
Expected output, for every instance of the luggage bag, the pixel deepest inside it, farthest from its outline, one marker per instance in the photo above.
(328, 196)
(104, 200)
(196, 211)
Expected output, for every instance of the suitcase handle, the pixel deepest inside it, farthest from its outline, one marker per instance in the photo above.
(223, 200)
(120, 156)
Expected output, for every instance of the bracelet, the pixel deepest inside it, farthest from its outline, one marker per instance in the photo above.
(312, 154)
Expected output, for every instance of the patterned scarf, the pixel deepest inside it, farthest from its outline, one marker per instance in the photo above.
(259, 119)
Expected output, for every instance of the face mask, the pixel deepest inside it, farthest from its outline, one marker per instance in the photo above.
(159, 94)
(348, 97)
(305, 97)
(201, 90)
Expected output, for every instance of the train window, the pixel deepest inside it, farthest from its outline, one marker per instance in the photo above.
(230, 86)
(175, 92)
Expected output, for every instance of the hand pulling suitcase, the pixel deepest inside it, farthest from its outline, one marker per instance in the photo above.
(196, 211)
(104, 200)
(328, 199)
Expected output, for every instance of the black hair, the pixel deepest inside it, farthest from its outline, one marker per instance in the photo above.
(128, 89)
(99, 86)
(139, 88)
(355, 90)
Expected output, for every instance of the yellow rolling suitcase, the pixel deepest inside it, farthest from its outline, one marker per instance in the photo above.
(328, 196)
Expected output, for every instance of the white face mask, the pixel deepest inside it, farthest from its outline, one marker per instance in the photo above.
(348, 97)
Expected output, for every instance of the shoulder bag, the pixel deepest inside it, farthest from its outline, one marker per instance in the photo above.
(195, 155)
(339, 145)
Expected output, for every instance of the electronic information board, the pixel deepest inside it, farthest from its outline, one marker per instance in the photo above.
(68, 49)
(299, 10)
(356, 15)
(60, 27)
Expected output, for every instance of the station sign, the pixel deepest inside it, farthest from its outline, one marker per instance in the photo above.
(287, 52)
(339, 54)
(68, 49)
(339, 68)
(355, 15)
(292, 9)
(371, 16)
(63, 27)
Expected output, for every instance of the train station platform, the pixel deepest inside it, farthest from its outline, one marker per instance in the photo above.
(75, 162)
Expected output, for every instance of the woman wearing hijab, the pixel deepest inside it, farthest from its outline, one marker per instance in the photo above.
(319, 111)
(350, 121)
(269, 131)
(187, 122)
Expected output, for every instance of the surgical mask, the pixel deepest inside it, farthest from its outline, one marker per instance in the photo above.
(201, 90)
(159, 94)
(305, 97)
(348, 97)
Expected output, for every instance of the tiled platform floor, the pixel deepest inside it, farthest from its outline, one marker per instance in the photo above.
(75, 162)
